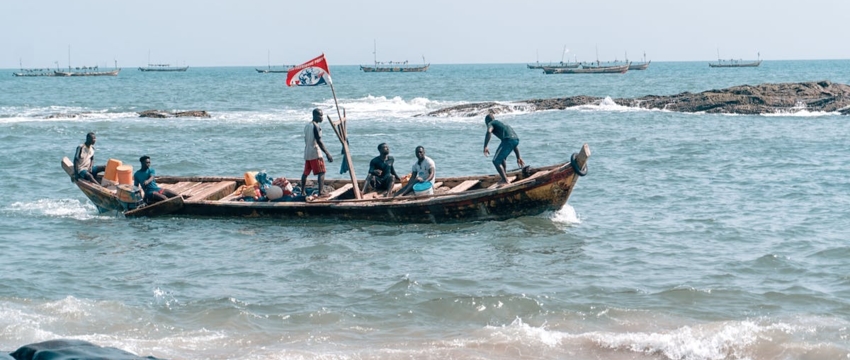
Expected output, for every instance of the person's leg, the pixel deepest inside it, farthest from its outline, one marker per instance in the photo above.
(169, 193)
(322, 184)
(500, 161)
(304, 177)
(87, 176)
(367, 183)
(390, 182)
(97, 169)
(406, 188)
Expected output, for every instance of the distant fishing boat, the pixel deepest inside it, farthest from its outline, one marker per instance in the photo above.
(87, 71)
(733, 63)
(163, 67)
(270, 70)
(561, 65)
(76, 71)
(638, 65)
(35, 72)
(620, 69)
(394, 66)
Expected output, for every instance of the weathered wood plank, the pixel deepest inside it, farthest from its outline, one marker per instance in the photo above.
(215, 191)
(161, 208)
(496, 185)
(336, 193)
(466, 185)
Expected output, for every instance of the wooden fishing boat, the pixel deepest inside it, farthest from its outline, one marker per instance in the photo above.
(87, 73)
(734, 64)
(639, 66)
(561, 65)
(394, 66)
(532, 191)
(163, 68)
(270, 70)
(620, 69)
(643, 65)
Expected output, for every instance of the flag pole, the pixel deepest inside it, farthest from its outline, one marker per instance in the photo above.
(343, 138)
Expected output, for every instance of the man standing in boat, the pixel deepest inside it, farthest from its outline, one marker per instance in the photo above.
(84, 160)
(382, 175)
(509, 142)
(144, 177)
(313, 161)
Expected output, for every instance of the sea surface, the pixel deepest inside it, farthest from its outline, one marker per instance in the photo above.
(693, 236)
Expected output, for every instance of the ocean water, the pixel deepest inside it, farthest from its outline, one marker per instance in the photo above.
(694, 236)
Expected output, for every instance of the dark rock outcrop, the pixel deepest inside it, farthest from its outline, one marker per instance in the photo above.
(745, 99)
(161, 114)
(62, 349)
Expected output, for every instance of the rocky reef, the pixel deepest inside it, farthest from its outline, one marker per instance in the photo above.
(161, 114)
(788, 98)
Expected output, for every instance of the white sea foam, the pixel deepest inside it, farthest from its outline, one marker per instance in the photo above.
(566, 215)
(62, 208)
(383, 107)
(608, 105)
(720, 340)
(14, 114)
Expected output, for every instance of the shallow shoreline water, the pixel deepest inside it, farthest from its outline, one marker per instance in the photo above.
(694, 236)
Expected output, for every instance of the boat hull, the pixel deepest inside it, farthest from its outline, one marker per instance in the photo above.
(174, 69)
(84, 73)
(533, 192)
(588, 70)
(549, 195)
(734, 64)
(394, 68)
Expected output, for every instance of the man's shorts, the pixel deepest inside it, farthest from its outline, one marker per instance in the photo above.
(316, 166)
(380, 182)
(505, 149)
(94, 171)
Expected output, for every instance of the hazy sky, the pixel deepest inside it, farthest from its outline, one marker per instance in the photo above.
(241, 33)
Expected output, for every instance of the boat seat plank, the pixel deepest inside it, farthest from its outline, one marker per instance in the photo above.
(491, 187)
(336, 193)
(198, 189)
(537, 175)
(180, 187)
(466, 185)
(215, 191)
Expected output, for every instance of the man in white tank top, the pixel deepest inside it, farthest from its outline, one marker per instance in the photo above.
(313, 161)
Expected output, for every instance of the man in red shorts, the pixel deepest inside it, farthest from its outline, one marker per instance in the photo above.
(313, 161)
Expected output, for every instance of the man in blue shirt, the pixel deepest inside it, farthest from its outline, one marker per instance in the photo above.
(144, 177)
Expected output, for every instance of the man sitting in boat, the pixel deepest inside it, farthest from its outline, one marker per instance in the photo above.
(382, 175)
(83, 160)
(510, 142)
(424, 170)
(144, 177)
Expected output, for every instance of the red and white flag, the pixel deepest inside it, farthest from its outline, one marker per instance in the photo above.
(311, 73)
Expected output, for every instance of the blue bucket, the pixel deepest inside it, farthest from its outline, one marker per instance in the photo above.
(423, 188)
